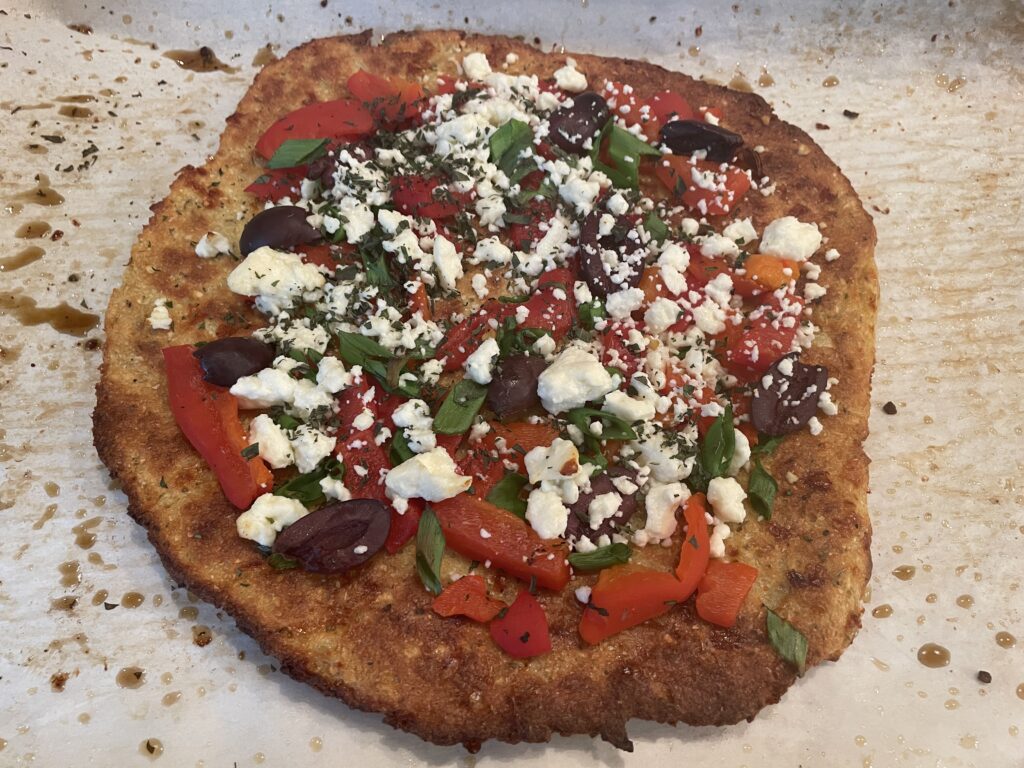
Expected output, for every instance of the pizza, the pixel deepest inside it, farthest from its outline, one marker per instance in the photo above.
(505, 393)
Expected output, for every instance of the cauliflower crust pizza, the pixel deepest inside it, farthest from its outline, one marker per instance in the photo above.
(505, 393)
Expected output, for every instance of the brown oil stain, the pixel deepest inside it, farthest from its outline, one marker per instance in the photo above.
(933, 655)
(66, 603)
(189, 612)
(201, 635)
(931, 598)
(904, 572)
(830, 82)
(151, 748)
(264, 56)
(48, 513)
(1020, 691)
(41, 194)
(951, 85)
(132, 599)
(100, 597)
(740, 83)
(51, 489)
(95, 558)
(78, 98)
(170, 699)
(883, 611)
(99, 501)
(82, 29)
(33, 230)
(12, 209)
(70, 573)
(63, 318)
(158, 600)
(166, 678)
(316, 744)
(131, 677)
(965, 601)
(200, 60)
(58, 680)
(84, 718)
(969, 742)
(880, 665)
(1005, 640)
(75, 112)
(765, 80)
(952, 704)
(84, 537)
(37, 149)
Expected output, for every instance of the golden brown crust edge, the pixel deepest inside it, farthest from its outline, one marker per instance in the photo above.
(370, 638)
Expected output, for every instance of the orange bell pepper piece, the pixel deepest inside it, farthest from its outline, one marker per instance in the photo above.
(721, 592)
(696, 548)
(770, 272)
(627, 595)
(467, 597)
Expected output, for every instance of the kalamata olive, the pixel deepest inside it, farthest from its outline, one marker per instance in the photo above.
(225, 361)
(684, 137)
(787, 396)
(571, 126)
(283, 226)
(624, 240)
(337, 537)
(514, 388)
(323, 169)
(579, 513)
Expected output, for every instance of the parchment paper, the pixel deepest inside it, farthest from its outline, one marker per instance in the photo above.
(936, 152)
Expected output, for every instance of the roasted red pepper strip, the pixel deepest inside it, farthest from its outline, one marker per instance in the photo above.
(275, 183)
(510, 544)
(467, 597)
(393, 102)
(696, 548)
(403, 527)
(463, 339)
(553, 306)
(722, 591)
(208, 417)
(339, 119)
(627, 595)
(522, 631)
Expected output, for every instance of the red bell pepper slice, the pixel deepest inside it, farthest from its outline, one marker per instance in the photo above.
(523, 437)
(416, 196)
(403, 527)
(467, 597)
(627, 595)
(393, 102)
(275, 183)
(522, 632)
(676, 173)
(695, 551)
(553, 306)
(511, 544)
(463, 339)
(721, 592)
(344, 119)
(208, 417)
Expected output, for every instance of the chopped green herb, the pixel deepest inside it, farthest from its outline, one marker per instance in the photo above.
(507, 494)
(589, 313)
(657, 228)
(306, 488)
(458, 410)
(251, 451)
(295, 152)
(765, 445)
(719, 445)
(513, 340)
(280, 562)
(507, 144)
(624, 150)
(429, 551)
(602, 557)
(761, 488)
(787, 640)
(163, 483)
(400, 450)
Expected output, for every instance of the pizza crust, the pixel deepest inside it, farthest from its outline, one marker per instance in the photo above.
(369, 637)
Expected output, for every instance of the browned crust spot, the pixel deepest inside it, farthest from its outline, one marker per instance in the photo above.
(370, 638)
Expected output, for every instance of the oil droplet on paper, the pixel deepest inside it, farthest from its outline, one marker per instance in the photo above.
(100, 597)
(170, 699)
(860, 741)
(316, 743)
(933, 655)
(52, 489)
(131, 677)
(22, 258)
(931, 598)
(33, 230)
(84, 537)
(904, 572)
(84, 718)
(62, 317)
(41, 194)
(188, 612)
(258, 758)
(883, 611)
(879, 664)
(3, 744)
(151, 748)
(965, 601)
(969, 742)
(49, 512)
(70, 573)
(1020, 691)
(1005, 640)
(166, 678)
(201, 60)
(132, 599)
(830, 82)
(201, 635)
(952, 704)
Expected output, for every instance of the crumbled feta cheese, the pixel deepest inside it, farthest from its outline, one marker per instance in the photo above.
(741, 453)
(815, 426)
(479, 283)
(719, 289)
(741, 231)
(448, 261)
(580, 193)
(212, 244)
(662, 456)
(622, 304)
(661, 503)
(573, 379)
(492, 251)
(335, 489)
(791, 239)
(709, 317)
(674, 255)
(660, 315)
(814, 291)
(364, 420)
(274, 446)
(714, 245)
(160, 318)
(546, 513)
(359, 218)
(628, 408)
(719, 533)
(831, 254)
(331, 375)
(264, 389)
(826, 405)
(583, 594)
(726, 497)
(267, 517)
(570, 79)
(432, 476)
(603, 507)
(276, 278)
(311, 446)
(553, 463)
(479, 364)
(617, 204)
(545, 345)
(476, 66)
